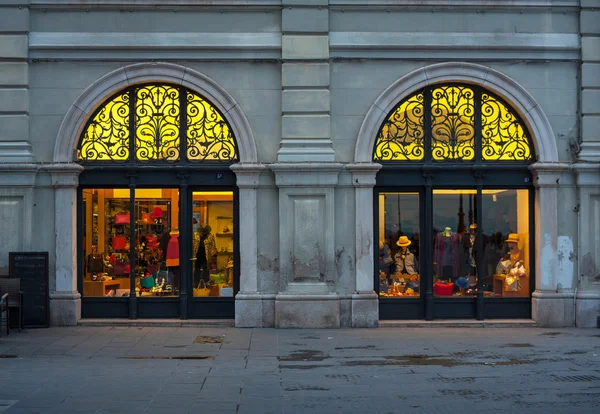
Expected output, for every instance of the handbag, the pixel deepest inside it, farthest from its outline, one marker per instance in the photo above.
(95, 264)
(121, 219)
(443, 289)
(146, 218)
(119, 242)
(147, 282)
(201, 290)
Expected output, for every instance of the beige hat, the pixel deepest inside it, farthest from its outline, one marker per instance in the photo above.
(403, 241)
(512, 238)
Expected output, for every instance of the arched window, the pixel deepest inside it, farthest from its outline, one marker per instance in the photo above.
(453, 123)
(154, 123)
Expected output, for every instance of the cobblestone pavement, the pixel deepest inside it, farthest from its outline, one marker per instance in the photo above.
(228, 370)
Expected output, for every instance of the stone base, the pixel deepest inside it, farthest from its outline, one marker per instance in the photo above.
(254, 310)
(587, 309)
(307, 311)
(553, 309)
(65, 308)
(365, 310)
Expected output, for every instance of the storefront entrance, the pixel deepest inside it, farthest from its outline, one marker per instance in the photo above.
(157, 229)
(453, 208)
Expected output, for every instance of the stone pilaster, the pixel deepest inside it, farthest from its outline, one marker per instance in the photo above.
(305, 99)
(251, 306)
(587, 308)
(307, 296)
(365, 303)
(590, 80)
(551, 305)
(65, 300)
(14, 79)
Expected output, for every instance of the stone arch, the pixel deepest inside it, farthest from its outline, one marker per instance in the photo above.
(96, 94)
(514, 94)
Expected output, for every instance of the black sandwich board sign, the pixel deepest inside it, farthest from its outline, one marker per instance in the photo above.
(32, 269)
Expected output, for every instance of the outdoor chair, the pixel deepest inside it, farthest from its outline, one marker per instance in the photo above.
(15, 298)
(4, 313)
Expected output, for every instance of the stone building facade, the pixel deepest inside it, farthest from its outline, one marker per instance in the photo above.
(305, 87)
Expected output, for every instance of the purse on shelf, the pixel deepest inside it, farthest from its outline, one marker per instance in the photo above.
(95, 264)
(119, 242)
(121, 219)
(201, 290)
(147, 282)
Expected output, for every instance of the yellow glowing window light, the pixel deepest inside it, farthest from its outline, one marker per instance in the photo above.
(452, 130)
(157, 128)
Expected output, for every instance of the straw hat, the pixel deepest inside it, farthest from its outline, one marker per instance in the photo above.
(512, 238)
(403, 241)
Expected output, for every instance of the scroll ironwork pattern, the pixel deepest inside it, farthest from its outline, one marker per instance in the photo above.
(157, 128)
(106, 137)
(157, 121)
(401, 137)
(208, 135)
(452, 123)
(503, 137)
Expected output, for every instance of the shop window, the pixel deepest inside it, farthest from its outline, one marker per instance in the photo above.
(146, 123)
(213, 243)
(452, 123)
(505, 267)
(106, 242)
(399, 243)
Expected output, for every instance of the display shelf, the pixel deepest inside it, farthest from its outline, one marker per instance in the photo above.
(224, 234)
(225, 253)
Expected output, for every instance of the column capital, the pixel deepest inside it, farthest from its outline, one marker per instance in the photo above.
(588, 174)
(547, 174)
(248, 175)
(309, 174)
(364, 173)
(64, 175)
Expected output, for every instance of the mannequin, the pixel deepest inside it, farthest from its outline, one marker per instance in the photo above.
(445, 254)
(513, 262)
(405, 260)
(206, 253)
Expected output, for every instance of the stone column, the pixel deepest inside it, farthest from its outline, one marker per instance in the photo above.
(587, 300)
(551, 305)
(65, 300)
(249, 309)
(365, 303)
(590, 80)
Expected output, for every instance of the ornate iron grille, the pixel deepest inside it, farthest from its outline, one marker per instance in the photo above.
(165, 122)
(452, 123)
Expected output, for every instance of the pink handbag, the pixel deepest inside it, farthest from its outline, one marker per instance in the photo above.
(118, 242)
(121, 218)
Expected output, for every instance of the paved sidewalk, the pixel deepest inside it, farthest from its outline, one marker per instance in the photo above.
(227, 370)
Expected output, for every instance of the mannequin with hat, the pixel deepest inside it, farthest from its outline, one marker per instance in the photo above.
(405, 260)
(513, 262)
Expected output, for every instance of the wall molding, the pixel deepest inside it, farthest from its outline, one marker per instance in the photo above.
(147, 46)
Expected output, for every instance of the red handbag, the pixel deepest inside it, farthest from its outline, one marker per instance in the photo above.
(442, 289)
(121, 218)
(119, 242)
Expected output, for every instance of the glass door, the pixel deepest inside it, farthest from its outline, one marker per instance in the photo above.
(454, 265)
(212, 252)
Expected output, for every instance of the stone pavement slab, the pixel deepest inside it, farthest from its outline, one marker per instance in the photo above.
(221, 369)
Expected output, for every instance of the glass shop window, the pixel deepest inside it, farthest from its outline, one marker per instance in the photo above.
(106, 242)
(157, 271)
(399, 243)
(505, 266)
(212, 243)
(454, 243)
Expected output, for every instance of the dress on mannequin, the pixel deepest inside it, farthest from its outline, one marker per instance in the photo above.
(445, 254)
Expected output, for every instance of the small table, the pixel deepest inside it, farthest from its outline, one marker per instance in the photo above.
(498, 287)
(96, 288)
